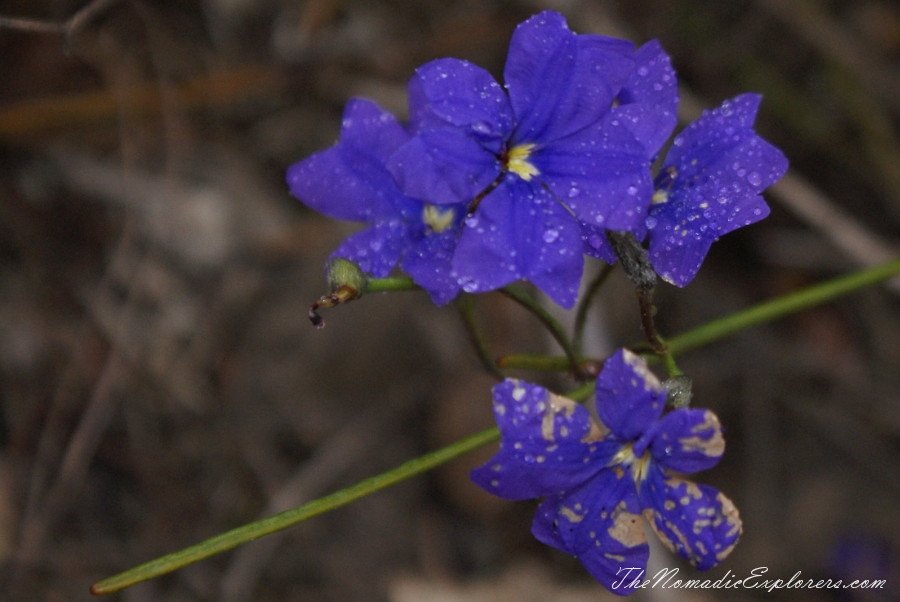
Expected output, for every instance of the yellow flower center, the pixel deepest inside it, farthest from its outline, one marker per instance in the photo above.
(436, 218)
(659, 197)
(517, 161)
(639, 466)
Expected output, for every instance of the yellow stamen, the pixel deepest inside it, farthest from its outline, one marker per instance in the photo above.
(639, 466)
(660, 196)
(436, 218)
(517, 161)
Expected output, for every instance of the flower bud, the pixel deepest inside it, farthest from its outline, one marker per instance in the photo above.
(346, 281)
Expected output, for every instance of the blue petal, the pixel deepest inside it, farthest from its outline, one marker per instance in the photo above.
(595, 243)
(648, 103)
(601, 524)
(710, 185)
(543, 449)
(375, 250)
(443, 166)
(688, 441)
(679, 239)
(452, 92)
(601, 174)
(630, 399)
(349, 181)
(695, 521)
(519, 231)
(427, 262)
(369, 129)
(559, 82)
(718, 166)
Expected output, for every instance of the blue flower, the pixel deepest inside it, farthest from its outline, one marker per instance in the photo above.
(709, 185)
(601, 478)
(350, 181)
(532, 160)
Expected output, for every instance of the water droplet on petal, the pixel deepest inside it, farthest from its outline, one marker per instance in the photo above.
(550, 235)
(754, 179)
(650, 222)
(481, 127)
(469, 285)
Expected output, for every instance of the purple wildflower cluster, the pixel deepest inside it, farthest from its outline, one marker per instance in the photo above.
(488, 183)
(602, 475)
(491, 183)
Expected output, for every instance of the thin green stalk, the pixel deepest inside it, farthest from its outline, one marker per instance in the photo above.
(590, 293)
(710, 332)
(553, 326)
(391, 285)
(535, 362)
(247, 533)
(482, 349)
(783, 306)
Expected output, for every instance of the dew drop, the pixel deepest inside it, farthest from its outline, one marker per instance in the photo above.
(754, 179)
(469, 285)
(481, 127)
(550, 235)
(650, 222)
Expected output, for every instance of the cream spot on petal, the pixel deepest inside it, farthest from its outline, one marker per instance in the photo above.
(556, 405)
(571, 515)
(627, 528)
(732, 516)
(518, 393)
(639, 365)
(711, 446)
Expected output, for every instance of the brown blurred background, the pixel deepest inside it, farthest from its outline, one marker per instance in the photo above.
(160, 382)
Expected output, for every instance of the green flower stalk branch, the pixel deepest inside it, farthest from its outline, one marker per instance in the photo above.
(765, 312)
(465, 306)
(552, 324)
(718, 329)
(585, 303)
(786, 305)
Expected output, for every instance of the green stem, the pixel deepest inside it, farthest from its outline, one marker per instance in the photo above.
(464, 305)
(553, 326)
(391, 284)
(534, 362)
(247, 533)
(710, 332)
(783, 306)
(584, 305)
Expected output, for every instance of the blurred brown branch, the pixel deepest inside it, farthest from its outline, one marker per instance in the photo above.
(69, 28)
(41, 115)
